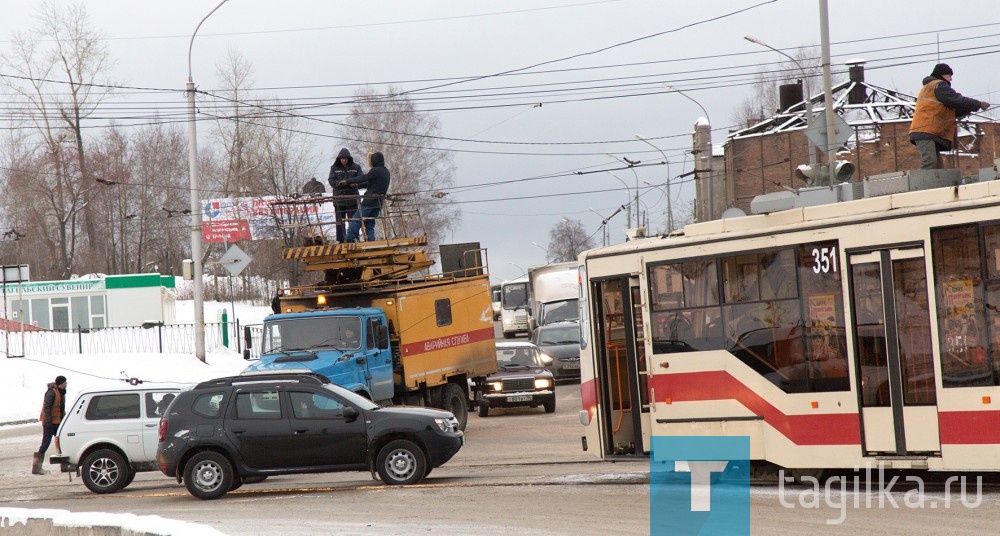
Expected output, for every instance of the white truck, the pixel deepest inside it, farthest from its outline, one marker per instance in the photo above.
(513, 306)
(553, 294)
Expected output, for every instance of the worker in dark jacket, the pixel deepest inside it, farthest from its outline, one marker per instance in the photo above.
(938, 108)
(345, 202)
(53, 409)
(377, 183)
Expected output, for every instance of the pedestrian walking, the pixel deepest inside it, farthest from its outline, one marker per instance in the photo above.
(53, 409)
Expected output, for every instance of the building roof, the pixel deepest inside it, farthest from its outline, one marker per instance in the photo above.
(875, 105)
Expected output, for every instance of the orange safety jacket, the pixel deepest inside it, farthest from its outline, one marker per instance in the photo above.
(932, 117)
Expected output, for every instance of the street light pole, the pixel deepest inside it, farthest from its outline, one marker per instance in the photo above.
(198, 284)
(545, 251)
(670, 214)
(831, 133)
(604, 226)
(704, 156)
(808, 98)
(628, 206)
(631, 165)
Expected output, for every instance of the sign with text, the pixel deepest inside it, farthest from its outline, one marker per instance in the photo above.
(234, 219)
(699, 485)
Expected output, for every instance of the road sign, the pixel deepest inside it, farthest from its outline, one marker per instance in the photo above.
(235, 260)
(817, 132)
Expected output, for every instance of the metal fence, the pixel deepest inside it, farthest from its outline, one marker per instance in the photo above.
(151, 338)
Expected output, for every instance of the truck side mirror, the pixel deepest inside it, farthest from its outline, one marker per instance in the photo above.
(382, 337)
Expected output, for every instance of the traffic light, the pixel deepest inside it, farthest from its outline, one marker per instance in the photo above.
(842, 171)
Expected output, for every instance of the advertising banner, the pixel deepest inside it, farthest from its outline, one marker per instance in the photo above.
(260, 218)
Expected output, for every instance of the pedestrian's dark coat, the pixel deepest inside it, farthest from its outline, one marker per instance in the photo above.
(340, 173)
(376, 180)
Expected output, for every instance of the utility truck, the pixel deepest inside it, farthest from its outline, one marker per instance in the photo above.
(378, 324)
(553, 294)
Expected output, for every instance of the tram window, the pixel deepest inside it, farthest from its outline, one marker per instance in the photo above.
(964, 333)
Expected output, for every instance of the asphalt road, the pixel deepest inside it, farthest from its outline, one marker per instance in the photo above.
(521, 472)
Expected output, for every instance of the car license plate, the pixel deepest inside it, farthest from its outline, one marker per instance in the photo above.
(520, 398)
(572, 366)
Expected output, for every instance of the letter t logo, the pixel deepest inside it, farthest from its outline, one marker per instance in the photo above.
(701, 481)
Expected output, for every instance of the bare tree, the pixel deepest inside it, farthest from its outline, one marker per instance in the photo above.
(392, 125)
(764, 100)
(52, 70)
(567, 239)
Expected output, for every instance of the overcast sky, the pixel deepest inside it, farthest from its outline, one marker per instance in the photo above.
(599, 73)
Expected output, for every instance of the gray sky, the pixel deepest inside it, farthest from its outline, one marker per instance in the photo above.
(595, 96)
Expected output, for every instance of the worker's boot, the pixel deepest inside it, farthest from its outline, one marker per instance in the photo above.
(36, 464)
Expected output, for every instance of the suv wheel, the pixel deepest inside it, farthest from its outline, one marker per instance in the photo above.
(105, 471)
(208, 475)
(401, 462)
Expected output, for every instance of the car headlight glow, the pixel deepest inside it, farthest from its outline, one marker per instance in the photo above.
(496, 386)
(543, 383)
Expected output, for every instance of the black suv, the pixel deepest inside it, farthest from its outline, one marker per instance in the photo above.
(224, 432)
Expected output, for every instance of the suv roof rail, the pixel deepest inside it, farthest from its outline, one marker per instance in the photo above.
(263, 376)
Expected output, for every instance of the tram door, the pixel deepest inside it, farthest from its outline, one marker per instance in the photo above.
(892, 349)
(621, 365)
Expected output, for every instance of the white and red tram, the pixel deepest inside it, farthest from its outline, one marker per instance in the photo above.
(833, 336)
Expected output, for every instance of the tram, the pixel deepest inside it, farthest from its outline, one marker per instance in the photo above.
(834, 336)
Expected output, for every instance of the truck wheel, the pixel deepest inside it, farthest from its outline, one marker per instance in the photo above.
(208, 475)
(104, 471)
(453, 400)
(484, 410)
(507, 334)
(550, 406)
(401, 462)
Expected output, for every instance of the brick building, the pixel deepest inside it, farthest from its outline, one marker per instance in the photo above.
(763, 158)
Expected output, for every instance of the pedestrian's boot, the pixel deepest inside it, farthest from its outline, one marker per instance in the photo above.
(36, 464)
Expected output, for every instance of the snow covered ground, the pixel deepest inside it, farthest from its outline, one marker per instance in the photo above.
(23, 380)
(23, 383)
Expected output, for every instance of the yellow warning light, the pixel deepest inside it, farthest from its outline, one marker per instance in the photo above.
(321, 300)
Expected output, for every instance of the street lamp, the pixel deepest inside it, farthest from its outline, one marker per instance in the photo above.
(604, 226)
(523, 271)
(199, 308)
(705, 151)
(543, 250)
(628, 196)
(631, 165)
(808, 108)
(670, 214)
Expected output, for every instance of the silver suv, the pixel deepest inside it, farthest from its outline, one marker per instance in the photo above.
(108, 435)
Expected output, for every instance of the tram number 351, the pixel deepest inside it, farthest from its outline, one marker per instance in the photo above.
(824, 260)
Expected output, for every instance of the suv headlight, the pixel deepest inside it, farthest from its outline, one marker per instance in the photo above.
(444, 424)
(543, 383)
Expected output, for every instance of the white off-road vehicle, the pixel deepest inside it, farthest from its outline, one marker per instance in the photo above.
(110, 434)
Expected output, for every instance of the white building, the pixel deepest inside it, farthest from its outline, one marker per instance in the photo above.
(96, 302)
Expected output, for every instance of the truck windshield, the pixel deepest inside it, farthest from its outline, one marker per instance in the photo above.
(515, 296)
(560, 311)
(311, 333)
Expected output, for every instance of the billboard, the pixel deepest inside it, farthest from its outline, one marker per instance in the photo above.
(235, 219)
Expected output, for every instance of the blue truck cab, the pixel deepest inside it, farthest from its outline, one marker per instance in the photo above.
(349, 346)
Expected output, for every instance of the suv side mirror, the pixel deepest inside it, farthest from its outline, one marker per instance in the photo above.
(382, 337)
(350, 413)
